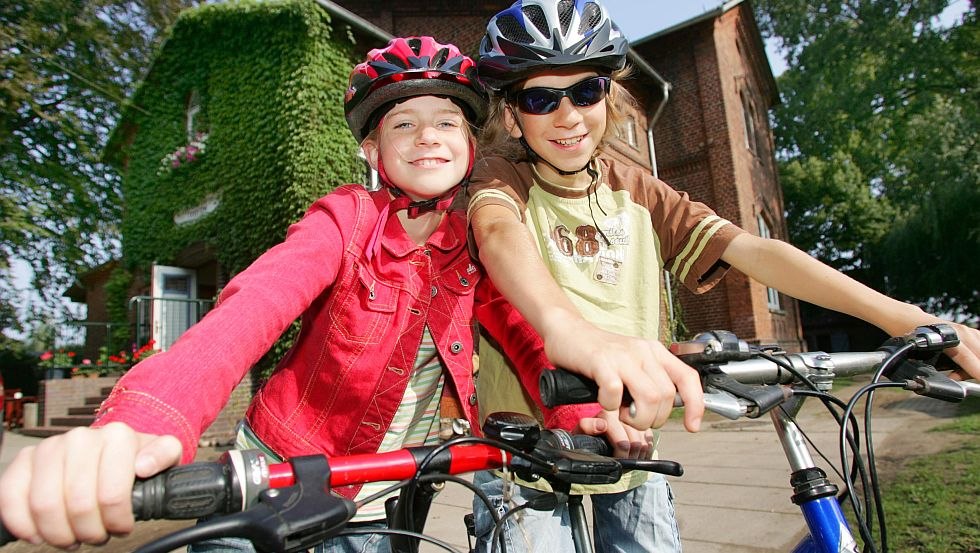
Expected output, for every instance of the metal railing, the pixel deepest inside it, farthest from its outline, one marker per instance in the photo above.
(165, 319)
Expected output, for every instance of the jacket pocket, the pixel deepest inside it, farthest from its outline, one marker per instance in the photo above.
(364, 314)
(461, 277)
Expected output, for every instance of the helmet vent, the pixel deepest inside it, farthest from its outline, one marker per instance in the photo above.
(512, 29)
(591, 17)
(566, 9)
(536, 16)
(439, 57)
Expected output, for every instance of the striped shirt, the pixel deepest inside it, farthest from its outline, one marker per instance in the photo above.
(415, 423)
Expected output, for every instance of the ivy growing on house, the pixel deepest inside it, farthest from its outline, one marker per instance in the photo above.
(271, 78)
(267, 80)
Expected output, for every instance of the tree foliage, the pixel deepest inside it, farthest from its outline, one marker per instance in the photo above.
(877, 137)
(66, 67)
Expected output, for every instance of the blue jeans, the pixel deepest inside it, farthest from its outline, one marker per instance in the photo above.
(361, 543)
(635, 521)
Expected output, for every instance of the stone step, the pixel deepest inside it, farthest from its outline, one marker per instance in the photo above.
(85, 411)
(73, 420)
(44, 431)
(95, 400)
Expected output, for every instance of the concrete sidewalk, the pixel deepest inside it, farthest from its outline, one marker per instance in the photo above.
(734, 496)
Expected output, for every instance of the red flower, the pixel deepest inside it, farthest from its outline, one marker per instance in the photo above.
(46, 356)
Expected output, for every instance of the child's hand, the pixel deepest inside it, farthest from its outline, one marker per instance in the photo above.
(967, 354)
(651, 373)
(77, 487)
(627, 442)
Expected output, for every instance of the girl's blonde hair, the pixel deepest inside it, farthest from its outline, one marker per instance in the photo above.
(496, 140)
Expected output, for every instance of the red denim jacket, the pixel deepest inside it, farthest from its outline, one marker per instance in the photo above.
(337, 389)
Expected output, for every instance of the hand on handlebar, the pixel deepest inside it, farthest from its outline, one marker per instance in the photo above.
(645, 367)
(967, 354)
(76, 487)
(627, 442)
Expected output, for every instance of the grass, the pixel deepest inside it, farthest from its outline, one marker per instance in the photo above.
(931, 503)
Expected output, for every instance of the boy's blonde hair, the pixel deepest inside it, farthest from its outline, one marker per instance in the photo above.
(496, 140)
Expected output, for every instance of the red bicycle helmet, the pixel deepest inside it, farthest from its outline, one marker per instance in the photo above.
(407, 67)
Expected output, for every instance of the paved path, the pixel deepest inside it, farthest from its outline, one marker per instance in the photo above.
(733, 497)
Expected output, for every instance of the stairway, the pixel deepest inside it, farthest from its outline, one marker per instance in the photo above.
(81, 415)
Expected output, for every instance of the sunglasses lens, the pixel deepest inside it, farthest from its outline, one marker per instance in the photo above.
(544, 100)
(539, 101)
(589, 92)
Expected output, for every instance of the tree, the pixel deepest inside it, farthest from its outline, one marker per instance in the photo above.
(877, 139)
(66, 67)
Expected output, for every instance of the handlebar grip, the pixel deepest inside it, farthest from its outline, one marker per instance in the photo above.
(187, 492)
(562, 439)
(560, 387)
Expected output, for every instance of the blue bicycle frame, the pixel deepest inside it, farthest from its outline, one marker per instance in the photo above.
(817, 498)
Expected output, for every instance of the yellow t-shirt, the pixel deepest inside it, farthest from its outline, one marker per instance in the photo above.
(606, 247)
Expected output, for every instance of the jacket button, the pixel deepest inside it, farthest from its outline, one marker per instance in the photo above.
(434, 290)
(456, 347)
(472, 399)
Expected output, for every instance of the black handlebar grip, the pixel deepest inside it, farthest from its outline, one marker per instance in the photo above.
(562, 439)
(187, 492)
(560, 387)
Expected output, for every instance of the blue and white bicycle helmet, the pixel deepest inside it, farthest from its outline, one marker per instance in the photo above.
(536, 34)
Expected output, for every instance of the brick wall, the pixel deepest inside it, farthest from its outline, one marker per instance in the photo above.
(701, 149)
(55, 397)
(461, 23)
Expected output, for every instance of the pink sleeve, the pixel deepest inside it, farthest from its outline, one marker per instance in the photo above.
(524, 348)
(180, 391)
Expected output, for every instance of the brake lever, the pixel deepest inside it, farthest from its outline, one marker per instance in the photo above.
(761, 399)
(300, 516)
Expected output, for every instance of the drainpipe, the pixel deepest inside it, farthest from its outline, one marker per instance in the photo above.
(357, 22)
(652, 117)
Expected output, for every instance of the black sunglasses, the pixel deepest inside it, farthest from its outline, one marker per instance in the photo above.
(541, 100)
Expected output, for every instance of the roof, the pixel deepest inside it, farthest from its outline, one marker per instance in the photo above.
(765, 69)
(706, 16)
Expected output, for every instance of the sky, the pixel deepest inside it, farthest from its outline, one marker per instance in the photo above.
(640, 18)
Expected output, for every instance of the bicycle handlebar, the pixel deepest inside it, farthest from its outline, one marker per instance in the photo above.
(243, 481)
(726, 364)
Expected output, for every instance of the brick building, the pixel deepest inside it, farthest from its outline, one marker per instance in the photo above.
(704, 88)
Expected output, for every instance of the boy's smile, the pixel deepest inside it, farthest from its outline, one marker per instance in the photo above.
(568, 136)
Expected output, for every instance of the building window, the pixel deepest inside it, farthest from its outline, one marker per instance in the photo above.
(631, 131)
(191, 116)
(772, 295)
(748, 114)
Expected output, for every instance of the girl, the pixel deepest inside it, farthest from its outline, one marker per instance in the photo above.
(383, 284)
(577, 241)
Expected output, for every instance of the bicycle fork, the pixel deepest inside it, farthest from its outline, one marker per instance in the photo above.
(816, 496)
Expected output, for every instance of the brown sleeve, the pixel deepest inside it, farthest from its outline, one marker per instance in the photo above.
(691, 235)
(497, 181)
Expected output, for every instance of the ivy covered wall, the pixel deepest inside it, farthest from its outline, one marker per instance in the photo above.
(270, 79)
